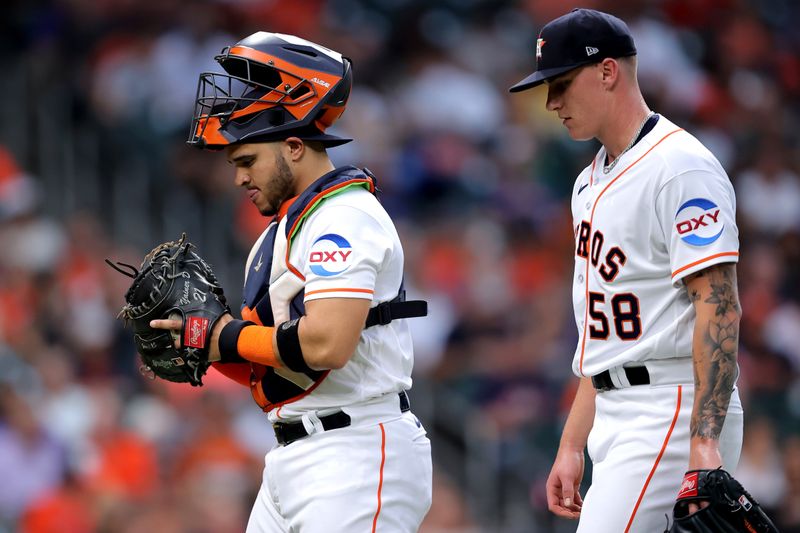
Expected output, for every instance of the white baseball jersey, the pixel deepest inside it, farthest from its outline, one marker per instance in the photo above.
(346, 248)
(349, 248)
(666, 210)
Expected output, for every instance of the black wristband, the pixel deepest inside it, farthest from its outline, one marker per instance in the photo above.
(288, 341)
(229, 340)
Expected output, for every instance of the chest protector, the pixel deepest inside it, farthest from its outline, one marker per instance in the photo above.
(274, 289)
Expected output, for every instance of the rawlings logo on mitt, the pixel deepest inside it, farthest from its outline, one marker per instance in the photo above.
(173, 282)
(730, 508)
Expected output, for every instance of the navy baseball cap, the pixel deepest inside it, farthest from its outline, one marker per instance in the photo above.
(581, 37)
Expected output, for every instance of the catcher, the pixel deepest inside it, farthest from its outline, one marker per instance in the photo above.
(322, 344)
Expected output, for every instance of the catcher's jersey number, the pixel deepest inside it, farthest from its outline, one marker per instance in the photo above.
(625, 314)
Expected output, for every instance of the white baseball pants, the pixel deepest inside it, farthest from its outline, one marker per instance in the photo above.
(364, 478)
(639, 447)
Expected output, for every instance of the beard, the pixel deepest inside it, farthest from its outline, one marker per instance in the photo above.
(280, 187)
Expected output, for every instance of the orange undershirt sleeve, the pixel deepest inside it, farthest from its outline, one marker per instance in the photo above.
(238, 372)
(255, 344)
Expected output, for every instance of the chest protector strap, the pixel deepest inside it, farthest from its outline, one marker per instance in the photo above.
(385, 312)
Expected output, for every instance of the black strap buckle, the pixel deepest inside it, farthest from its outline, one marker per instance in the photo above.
(405, 402)
(383, 313)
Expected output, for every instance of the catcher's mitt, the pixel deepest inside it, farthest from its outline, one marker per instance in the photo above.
(173, 282)
(731, 508)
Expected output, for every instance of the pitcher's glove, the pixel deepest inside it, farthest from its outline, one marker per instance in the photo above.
(731, 508)
(173, 282)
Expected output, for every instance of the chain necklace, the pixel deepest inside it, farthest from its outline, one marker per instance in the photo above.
(609, 167)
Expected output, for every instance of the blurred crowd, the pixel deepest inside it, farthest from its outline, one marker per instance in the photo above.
(96, 107)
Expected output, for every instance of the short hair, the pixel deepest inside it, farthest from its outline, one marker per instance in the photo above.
(629, 64)
(317, 146)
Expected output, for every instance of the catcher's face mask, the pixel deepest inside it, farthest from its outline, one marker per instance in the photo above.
(274, 86)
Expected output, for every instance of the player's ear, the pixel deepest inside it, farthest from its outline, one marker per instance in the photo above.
(609, 72)
(295, 148)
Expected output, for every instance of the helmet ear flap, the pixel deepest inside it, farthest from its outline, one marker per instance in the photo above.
(328, 116)
(340, 93)
(336, 100)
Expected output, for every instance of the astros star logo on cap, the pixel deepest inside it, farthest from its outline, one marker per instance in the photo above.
(581, 37)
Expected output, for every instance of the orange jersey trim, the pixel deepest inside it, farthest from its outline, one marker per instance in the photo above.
(364, 291)
(658, 459)
(709, 258)
(312, 204)
(591, 223)
(284, 208)
(380, 477)
(292, 269)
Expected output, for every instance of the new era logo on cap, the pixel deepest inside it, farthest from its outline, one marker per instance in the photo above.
(580, 37)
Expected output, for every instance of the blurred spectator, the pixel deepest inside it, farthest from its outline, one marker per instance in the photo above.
(761, 466)
(470, 106)
(19, 193)
(788, 516)
(117, 463)
(204, 460)
(666, 71)
(65, 508)
(31, 462)
(449, 512)
(769, 192)
(782, 333)
(65, 407)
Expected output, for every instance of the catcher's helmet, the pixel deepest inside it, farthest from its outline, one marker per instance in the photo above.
(274, 86)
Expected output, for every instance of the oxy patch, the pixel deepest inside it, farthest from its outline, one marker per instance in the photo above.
(330, 254)
(698, 222)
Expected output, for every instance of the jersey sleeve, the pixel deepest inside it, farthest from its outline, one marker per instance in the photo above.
(697, 212)
(341, 251)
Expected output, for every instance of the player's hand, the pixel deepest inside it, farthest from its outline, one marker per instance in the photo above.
(176, 325)
(703, 455)
(563, 498)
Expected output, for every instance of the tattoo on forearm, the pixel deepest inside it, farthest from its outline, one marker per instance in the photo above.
(715, 370)
(723, 291)
(694, 295)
